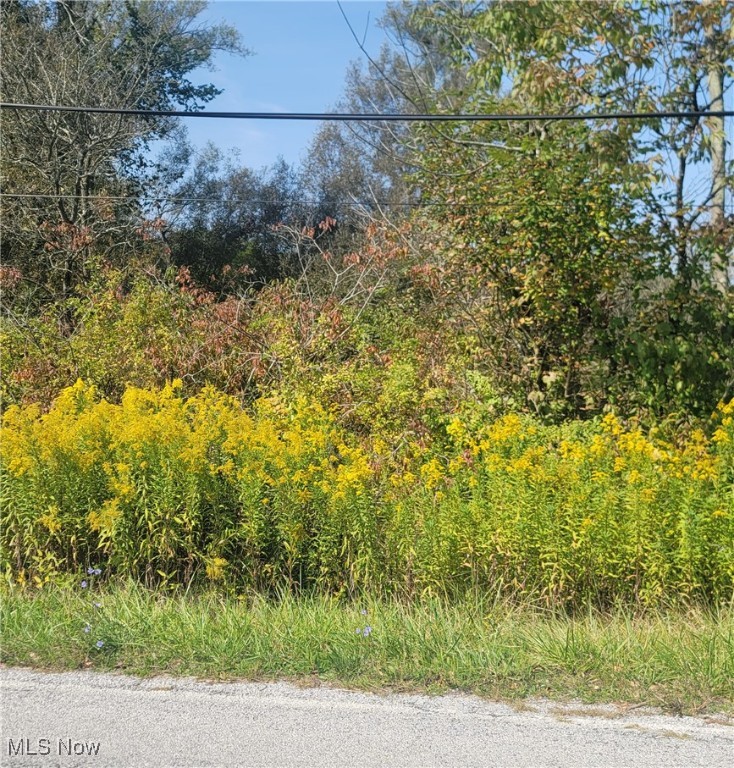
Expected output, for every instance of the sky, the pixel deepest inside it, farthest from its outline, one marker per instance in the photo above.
(301, 52)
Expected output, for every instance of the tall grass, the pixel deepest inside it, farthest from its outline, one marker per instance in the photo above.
(173, 491)
(680, 660)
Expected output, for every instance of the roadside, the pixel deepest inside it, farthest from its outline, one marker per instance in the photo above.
(165, 721)
(681, 661)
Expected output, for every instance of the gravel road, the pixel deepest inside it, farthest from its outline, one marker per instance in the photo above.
(161, 721)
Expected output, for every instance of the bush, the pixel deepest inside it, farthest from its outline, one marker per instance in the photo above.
(175, 490)
(143, 332)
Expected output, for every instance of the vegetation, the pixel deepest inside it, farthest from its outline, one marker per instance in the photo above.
(682, 662)
(82, 177)
(437, 364)
(177, 491)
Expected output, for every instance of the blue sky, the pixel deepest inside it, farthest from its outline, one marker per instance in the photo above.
(301, 52)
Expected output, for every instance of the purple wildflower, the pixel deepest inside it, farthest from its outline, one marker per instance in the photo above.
(100, 643)
(90, 571)
(367, 631)
(87, 629)
(84, 583)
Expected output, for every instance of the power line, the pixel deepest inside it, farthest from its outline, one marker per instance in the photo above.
(371, 117)
(247, 201)
(219, 200)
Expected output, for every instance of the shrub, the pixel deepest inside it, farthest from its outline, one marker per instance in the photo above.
(174, 490)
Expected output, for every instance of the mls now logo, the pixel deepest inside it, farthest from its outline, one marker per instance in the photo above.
(62, 747)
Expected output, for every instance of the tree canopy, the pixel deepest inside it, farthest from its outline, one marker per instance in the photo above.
(78, 176)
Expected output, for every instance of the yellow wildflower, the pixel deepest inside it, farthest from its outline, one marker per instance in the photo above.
(431, 473)
(51, 519)
(215, 568)
(104, 519)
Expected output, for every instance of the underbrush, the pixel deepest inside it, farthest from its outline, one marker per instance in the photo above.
(172, 491)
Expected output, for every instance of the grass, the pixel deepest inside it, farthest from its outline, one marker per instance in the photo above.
(681, 660)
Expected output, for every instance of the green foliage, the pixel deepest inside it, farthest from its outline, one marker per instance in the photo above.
(227, 237)
(538, 244)
(171, 491)
(120, 330)
(89, 170)
(680, 660)
(361, 419)
(674, 355)
(554, 238)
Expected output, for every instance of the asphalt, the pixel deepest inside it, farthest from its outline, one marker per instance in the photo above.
(164, 721)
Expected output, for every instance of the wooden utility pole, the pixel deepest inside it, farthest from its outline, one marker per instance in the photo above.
(715, 78)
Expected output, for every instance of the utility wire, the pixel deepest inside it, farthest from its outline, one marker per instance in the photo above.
(247, 201)
(371, 117)
(236, 200)
(218, 200)
(150, 199)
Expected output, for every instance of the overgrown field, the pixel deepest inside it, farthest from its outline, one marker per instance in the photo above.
(173, 491)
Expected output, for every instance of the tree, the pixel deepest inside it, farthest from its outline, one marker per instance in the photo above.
(537, 246)
(224, 227)
(552, 243)
(648, 56)
(71, 180)
(363, 165)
